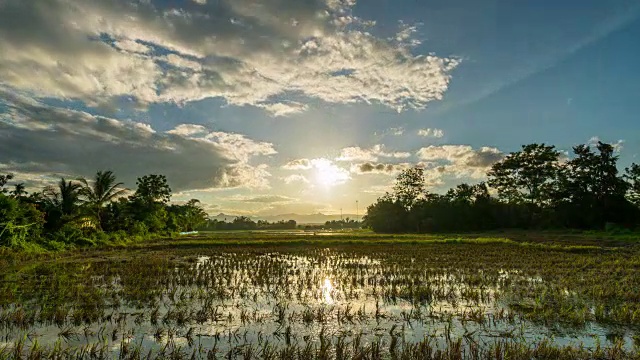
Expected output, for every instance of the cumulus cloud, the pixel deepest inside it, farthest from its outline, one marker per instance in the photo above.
(244, 175)
(373, 168)
(240, 147)
(461, 160)
(372, 154)
(436, 133)
(241, 51)
(40, 139)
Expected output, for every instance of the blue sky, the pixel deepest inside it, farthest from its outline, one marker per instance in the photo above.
(279, 106)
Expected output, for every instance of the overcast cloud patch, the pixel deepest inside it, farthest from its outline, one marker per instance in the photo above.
(40, 139)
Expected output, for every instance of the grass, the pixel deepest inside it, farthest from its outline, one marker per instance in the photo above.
(512, 295)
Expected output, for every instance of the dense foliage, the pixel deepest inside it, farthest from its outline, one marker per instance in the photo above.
(86, 212)
(342, 224)
(535, 187)
(245, 223)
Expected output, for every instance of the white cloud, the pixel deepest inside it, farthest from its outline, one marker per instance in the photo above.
(188, 130)
(461, 160)
(132, 46)
(617, 146)
(239, 147)
(283, 108)
(594, 140)
(296, 178)
(245, 175)
(244, 52)
(436, 133)
(372, 154)
(356, 153)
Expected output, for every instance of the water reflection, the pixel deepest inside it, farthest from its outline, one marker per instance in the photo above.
(327, 288)
(274, 299)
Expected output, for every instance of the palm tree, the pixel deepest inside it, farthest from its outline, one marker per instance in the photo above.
(18, 190)
(63, 199)
(100, 192)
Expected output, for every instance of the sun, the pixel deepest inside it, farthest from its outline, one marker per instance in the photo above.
(327, 174)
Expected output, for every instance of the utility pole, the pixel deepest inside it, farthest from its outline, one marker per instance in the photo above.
(357, 215)
(340, 214)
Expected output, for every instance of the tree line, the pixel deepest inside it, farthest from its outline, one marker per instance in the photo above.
(346, 223)
(83, 212)
(536, 187)
(245, 223)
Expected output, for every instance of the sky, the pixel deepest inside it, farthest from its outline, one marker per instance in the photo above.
(308, 106)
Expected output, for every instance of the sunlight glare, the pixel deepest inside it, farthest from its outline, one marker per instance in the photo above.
(327, 288)
(328, 174)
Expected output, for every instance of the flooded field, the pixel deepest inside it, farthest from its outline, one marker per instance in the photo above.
(429, 301)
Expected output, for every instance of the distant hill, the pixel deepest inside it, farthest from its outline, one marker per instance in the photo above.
(318, 218)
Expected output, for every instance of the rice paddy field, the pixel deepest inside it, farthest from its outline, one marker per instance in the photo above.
(299, 295)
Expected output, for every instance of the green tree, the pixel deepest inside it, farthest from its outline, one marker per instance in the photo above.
(19, 222)
(61, 203)
(410, 186)
(4, 179)
(632, 176)
(591, 192)
(594, 175)
(148, 203)
(186, 217)
(244, 223)
(103, 190)
(119, 215)
(387, 215)
(153, 189)
(526, 176)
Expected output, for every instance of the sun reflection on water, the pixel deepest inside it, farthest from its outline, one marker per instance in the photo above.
(327, 288)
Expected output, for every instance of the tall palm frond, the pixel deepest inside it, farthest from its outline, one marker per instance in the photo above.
(101, 191)
(65, 197)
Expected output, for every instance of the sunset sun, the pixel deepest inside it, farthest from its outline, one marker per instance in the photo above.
(327, 174)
